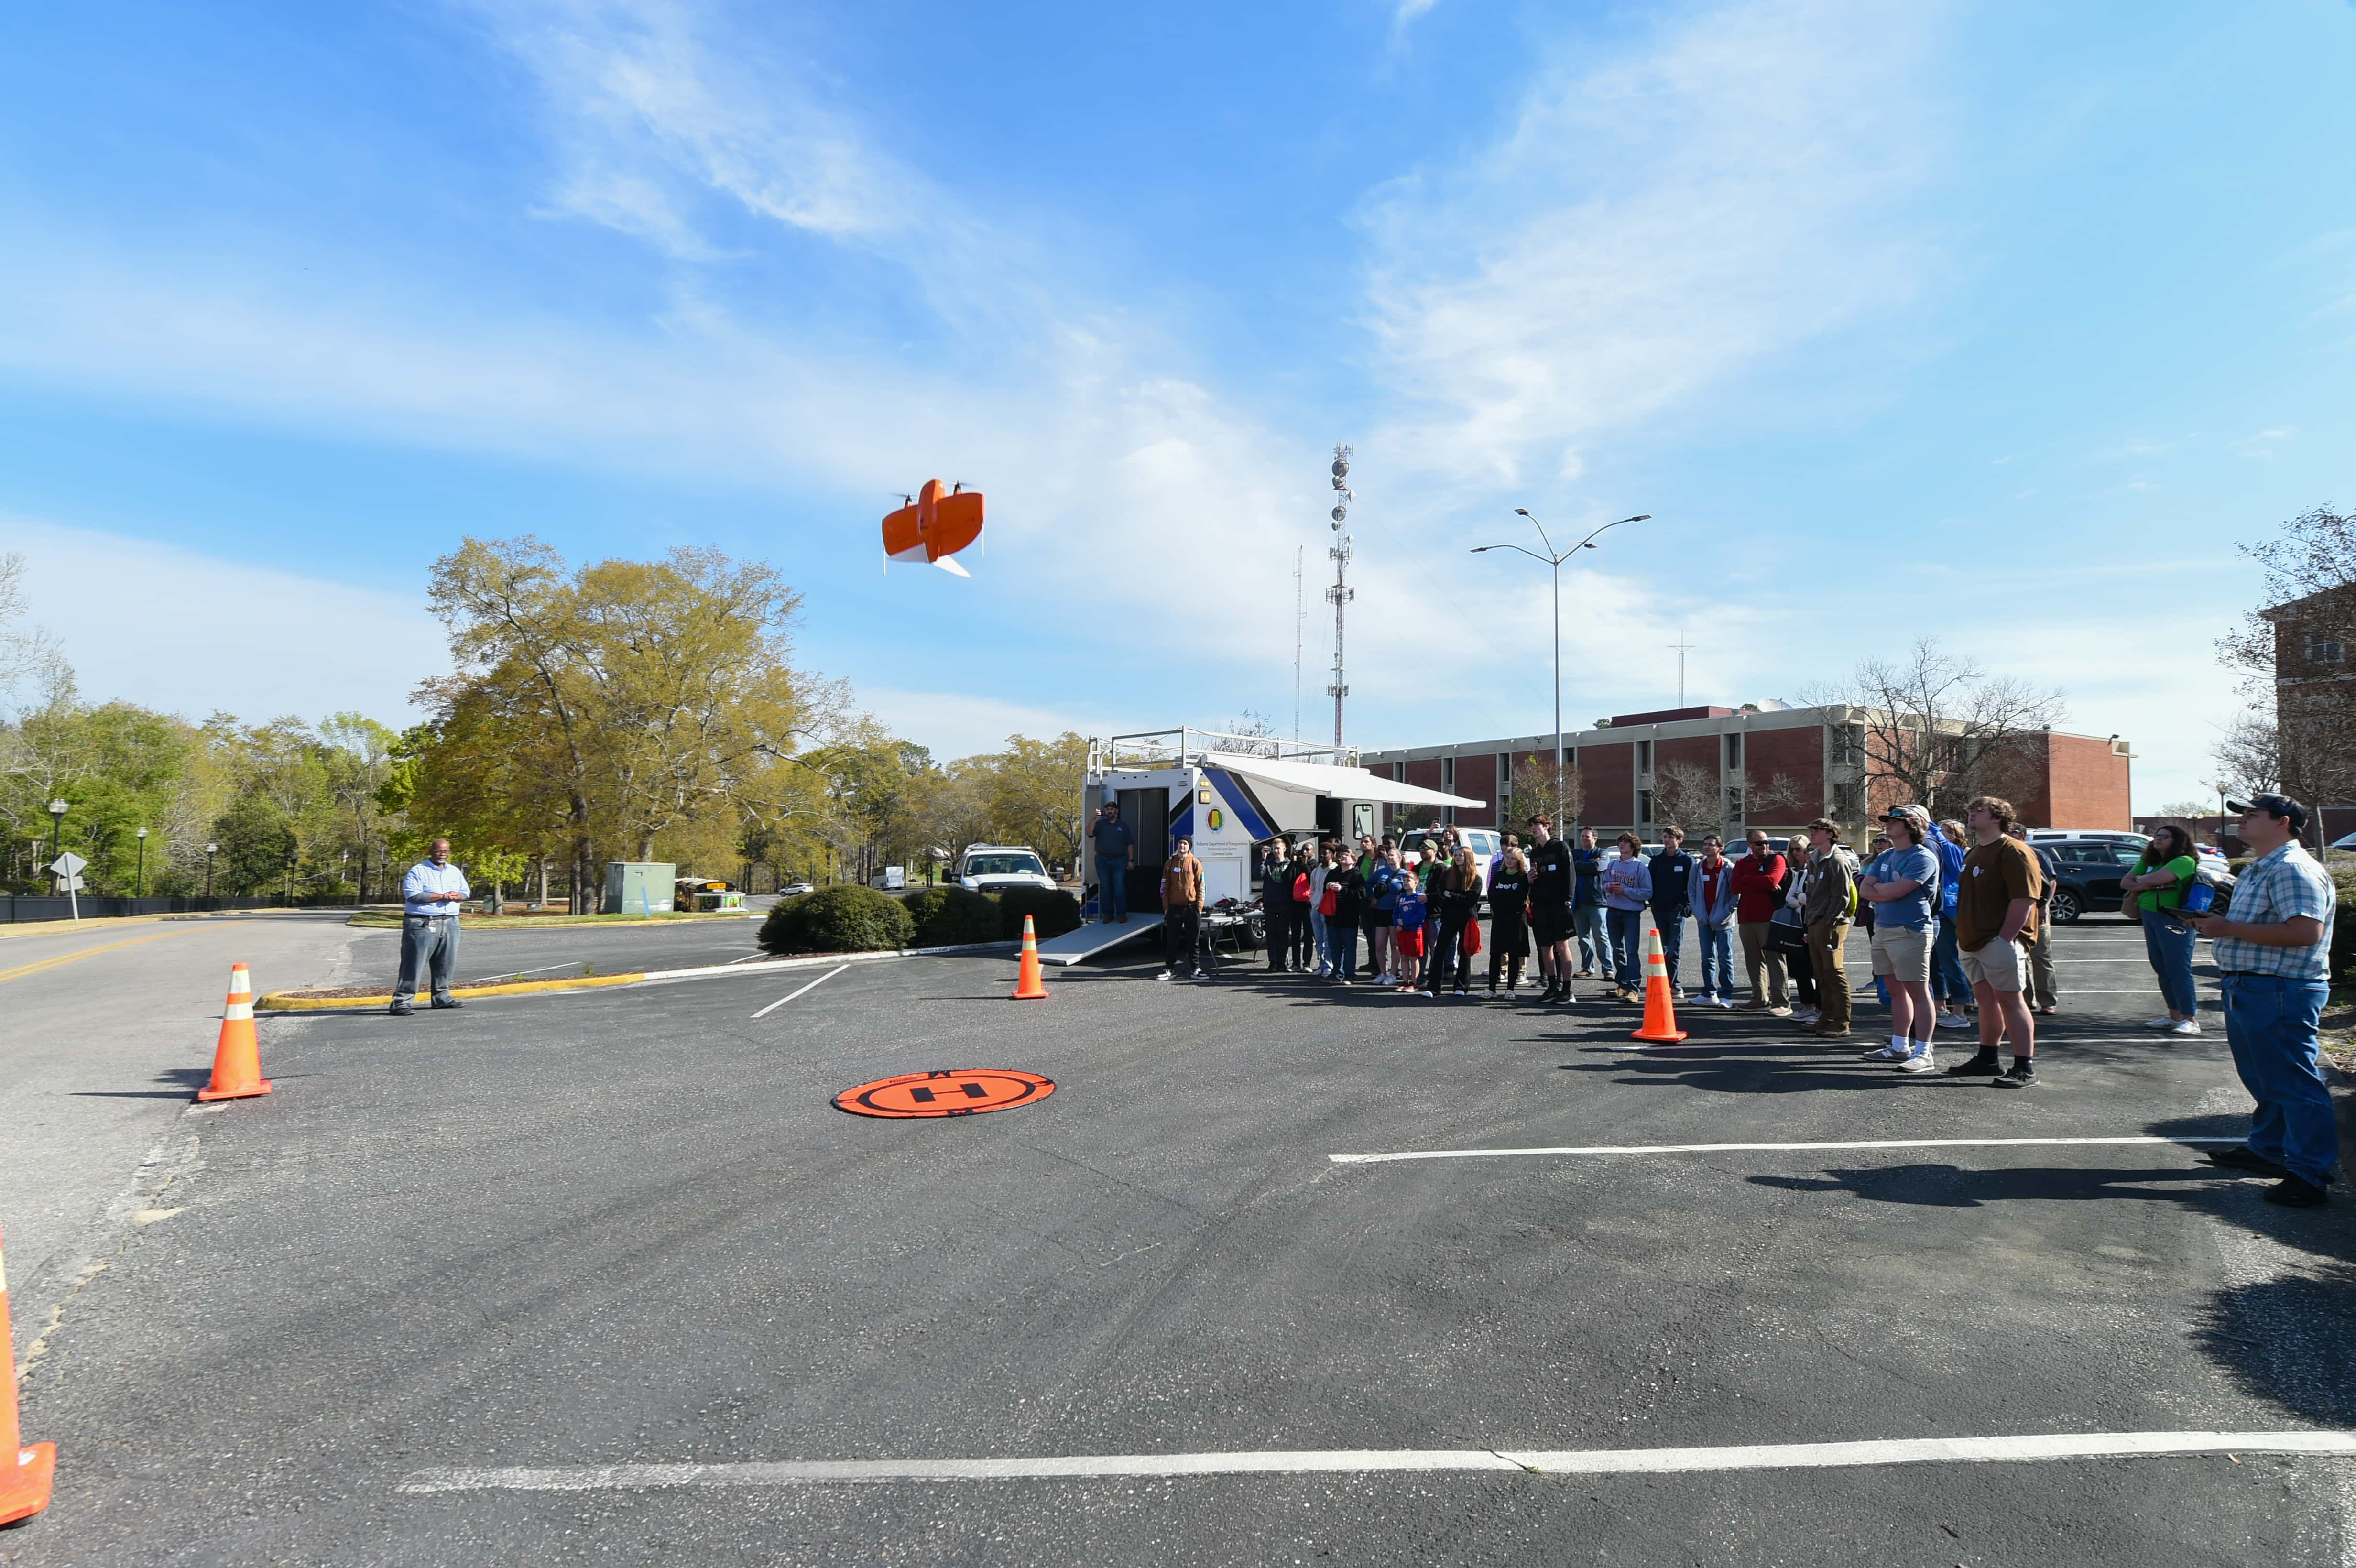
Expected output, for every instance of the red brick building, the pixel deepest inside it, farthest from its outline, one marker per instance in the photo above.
(1726, 768)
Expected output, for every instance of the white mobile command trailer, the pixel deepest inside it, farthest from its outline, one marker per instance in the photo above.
(1229, 794)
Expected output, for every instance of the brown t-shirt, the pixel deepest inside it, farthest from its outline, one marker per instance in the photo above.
(1994, 875)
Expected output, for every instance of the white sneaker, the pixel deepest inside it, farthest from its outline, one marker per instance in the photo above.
(2162, 1022)
(1165, 975)
(1885, 1053)
(1805, 1015)
(1919, 1061)
(1954, 1021)
(2185, 1026)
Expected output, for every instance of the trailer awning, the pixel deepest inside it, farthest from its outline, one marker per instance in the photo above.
(1325, 778)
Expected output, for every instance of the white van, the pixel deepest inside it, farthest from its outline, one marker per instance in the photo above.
(985, 867)
(1488, 843)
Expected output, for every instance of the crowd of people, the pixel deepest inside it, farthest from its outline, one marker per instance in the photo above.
(1958, 915)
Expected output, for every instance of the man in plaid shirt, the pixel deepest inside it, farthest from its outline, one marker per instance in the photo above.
(2275, 954)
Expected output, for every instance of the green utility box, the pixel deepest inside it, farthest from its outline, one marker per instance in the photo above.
(640, 887)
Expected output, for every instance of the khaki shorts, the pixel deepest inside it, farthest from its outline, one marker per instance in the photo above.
(1997, 965)
(1902, 955)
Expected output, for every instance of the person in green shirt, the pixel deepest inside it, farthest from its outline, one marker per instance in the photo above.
(2163, 874)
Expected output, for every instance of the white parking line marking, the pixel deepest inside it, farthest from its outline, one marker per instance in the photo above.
(1752, 1148)
(790, 996)
(1557, 1461)
(757, 953)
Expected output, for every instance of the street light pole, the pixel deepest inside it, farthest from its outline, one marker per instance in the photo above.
(57, 820)
(140, 889)
(1554, 559)
(209, 869)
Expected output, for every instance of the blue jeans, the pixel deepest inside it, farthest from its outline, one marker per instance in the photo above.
(1112, 890)
(1321, 939)
(1627, 927)
(2170, 948)
(1672, 922)
(1947, 967)
(2270, 1023)
(429, 950)
(1594, 944)
(1716, 960)
(1344, 940)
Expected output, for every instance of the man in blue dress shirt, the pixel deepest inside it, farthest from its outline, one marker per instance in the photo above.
(430, 896)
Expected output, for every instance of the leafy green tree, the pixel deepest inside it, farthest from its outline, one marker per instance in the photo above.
(257, 846)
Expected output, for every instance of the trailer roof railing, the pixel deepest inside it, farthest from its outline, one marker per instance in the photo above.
(1184, 746)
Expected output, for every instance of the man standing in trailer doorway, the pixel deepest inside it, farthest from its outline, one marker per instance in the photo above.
(1114, 846)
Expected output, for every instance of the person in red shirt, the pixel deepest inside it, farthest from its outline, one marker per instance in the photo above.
(1756, 877)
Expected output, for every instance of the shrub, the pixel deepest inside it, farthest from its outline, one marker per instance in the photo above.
(1051, 910)
(947, 917)
(838, 920)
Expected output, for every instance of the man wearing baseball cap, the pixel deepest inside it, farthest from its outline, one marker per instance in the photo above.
(2274, 955)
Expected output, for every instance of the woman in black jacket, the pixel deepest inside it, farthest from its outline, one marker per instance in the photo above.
(1509, 925)
(1275, 902)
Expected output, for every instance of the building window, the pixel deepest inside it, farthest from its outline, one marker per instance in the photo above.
(1645, 763)
(2322, 648)
(1734, 751)
(1848, 745)
(1644, 805)
(1734, 805)
(1504, 773)
(1398, 772)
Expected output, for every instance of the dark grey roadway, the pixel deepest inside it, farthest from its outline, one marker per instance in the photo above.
(627, 1226)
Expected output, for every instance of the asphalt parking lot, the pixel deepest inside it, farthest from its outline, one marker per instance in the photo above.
(563, 1233)
(488, 953)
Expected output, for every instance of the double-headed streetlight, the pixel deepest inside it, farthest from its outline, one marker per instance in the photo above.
(1554, 559)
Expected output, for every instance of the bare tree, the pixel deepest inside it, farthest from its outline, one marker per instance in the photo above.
(1253, 725)
(1781, 799)
(1941, 730)
(1532, 793)
(2249, 754)
(1686, 796)
(2310, 609)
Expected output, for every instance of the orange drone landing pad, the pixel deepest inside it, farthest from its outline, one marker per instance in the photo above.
(944, 1092)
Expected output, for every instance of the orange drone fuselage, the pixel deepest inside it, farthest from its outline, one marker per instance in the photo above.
(939, 523)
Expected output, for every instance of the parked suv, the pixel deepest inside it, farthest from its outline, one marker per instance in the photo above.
(2091, 869)
(986, 867)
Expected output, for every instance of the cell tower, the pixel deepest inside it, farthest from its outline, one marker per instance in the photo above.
(1298, 620)
(1341, 593)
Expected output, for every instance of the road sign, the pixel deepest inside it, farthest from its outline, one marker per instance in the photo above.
(68, 864)
(69, 884)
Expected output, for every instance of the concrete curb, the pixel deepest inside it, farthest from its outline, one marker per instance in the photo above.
(296, 1001)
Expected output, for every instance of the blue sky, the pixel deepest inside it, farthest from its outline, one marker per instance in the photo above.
(1999, 323)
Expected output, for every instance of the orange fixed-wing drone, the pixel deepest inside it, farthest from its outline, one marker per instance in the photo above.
(934, 525)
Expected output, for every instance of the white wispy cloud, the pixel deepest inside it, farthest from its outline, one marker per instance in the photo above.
(2266, 445)
(1653, 223)
(179, 630)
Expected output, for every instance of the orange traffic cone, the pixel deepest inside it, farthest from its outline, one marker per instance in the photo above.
(24, 1472)
(1660, 1016)
(1030, 988)
(237, 1059)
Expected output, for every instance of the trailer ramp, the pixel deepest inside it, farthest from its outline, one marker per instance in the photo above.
(1088, 941)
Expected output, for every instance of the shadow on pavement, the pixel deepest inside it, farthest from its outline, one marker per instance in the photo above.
(184, 1083)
